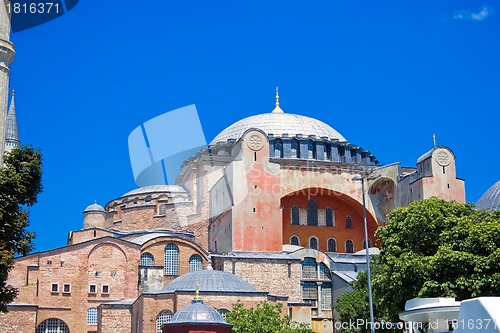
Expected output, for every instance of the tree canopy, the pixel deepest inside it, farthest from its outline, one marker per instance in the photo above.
(431, 248)
(264, 318)
(20, 183)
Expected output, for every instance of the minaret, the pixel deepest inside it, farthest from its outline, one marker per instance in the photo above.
(7, 52)
(12, 132)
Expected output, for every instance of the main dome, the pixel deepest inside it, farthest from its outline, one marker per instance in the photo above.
(279, 124)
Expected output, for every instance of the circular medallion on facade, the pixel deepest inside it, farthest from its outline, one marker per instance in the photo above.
(255, 142)
(443, 158)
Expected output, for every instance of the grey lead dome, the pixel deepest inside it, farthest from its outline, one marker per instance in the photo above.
(95, 207)
(209, 280)
(197, 312)
(490, 199)
(279, 124)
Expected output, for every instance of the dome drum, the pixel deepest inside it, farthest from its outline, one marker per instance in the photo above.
(320, 150)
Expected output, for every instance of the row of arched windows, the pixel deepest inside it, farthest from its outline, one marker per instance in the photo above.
(331, 244)
(295, 150)
(171, 260)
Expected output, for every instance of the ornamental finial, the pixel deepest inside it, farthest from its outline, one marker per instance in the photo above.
(197, 291)
(277, 109)
(13, 92)
(434, 138)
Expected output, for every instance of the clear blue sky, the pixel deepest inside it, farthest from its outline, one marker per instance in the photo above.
(385, 74)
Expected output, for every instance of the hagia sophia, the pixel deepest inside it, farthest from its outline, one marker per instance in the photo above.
(270, 210)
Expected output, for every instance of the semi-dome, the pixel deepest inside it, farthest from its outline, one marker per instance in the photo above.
(209, 280)
(490, 199)
(197, 313)
(95, 207)
(279, 124)
(156, 189)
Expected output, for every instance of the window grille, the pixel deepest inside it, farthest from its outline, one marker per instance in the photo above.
(52, 325)
(309, 270)
(171, 260)
(92, 316)
(147, 259)
(163, 317)
(195, 263)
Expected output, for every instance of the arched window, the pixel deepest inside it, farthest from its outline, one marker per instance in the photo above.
(313, 243)
(163, 317)
(278, 148)
(328, 152)
(349, 246)
(294, 240)
(52, 325)
(309, 270)
(147, 259)
(330, 220)
(311, 150)
(294, 149)
(92, 316)
(312, 212)
(195, 263)
(162, 209)
(324, 272)
(348, 222)
(295, 215)
(369, 243)
(171, 260)
(332, 245)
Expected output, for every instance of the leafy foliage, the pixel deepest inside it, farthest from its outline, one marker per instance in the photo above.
(264, 318)
(20, 183)
(431, 248)
(436, 248)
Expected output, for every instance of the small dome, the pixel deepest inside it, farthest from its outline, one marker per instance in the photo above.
(156, 189)
(197, 313)
(490, 199)
(279, 124)
(209, 280)
(95, 207)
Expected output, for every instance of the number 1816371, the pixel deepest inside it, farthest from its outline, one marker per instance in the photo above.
(33, 8)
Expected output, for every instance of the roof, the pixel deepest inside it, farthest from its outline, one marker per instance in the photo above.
(95, 207)
(490, 199)
(197, 313)
(12, 132)
(209, 280)
(156, 189)
(279, 124)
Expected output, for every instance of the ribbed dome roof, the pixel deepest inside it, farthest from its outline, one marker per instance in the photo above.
(197, 312)
(95, 207)
(209, 280)
(490, 199)
(279, 124)
(155, 189)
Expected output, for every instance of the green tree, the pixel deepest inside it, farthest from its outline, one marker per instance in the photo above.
(353, 308)
(264, 318)
(436, 248)
(431, 248)
(20, 183)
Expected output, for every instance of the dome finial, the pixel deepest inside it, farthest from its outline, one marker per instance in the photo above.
(277, 109)
(197, 297)
(434, 138)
